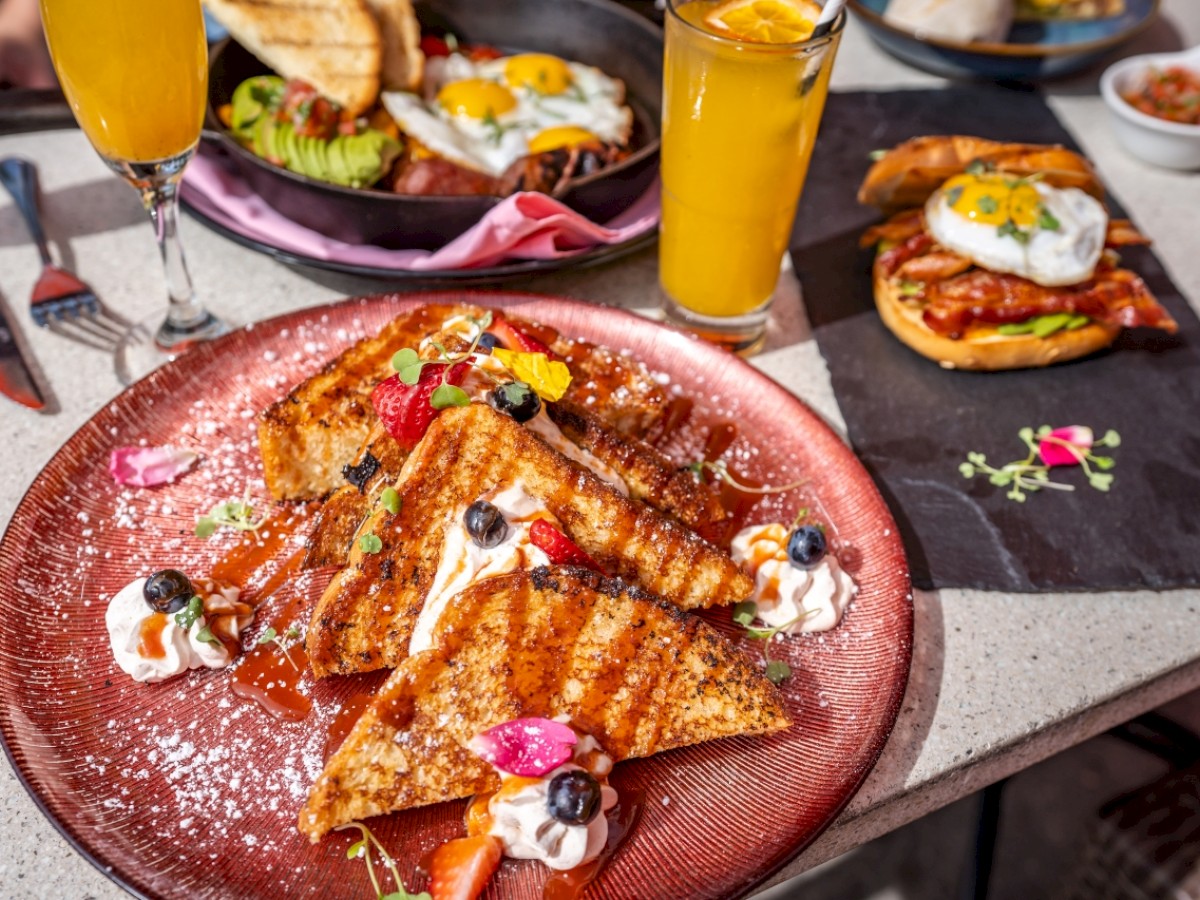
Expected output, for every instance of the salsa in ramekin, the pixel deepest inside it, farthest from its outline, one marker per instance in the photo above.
(1172, 94)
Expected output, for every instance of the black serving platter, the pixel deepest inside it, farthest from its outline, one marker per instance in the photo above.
(595, 32)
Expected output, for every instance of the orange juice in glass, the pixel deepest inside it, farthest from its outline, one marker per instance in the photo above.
(135, 73)
(742, 105)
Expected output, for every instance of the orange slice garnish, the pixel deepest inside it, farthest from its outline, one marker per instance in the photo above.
(765, 21)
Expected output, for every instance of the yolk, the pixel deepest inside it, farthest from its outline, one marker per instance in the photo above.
(476, 98)
(539, 71)
(559, 136)
(993, 199)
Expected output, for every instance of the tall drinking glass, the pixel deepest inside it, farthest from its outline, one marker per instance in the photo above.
(136, 73)
(739, 122)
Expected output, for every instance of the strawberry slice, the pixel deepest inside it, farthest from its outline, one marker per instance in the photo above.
(561, 550)
(404, 409)
(513, 338)
(460, 869)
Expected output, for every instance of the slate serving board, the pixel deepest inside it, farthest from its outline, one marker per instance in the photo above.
(912, 423)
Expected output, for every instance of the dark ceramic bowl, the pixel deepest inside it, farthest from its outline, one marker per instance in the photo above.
(1033, 51)
(595, 32)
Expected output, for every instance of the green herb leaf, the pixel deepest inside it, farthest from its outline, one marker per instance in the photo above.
(876, 155)
(910, 288)
(187, 616)
(976, 167)
(291, 634)
(205, 527)
(402, 359)
(1046, 220)
(744, 613)
(987, 204)
(448, 395)
(205, 634)
(390, 500)
(370, 543)
(968, 470)
(761, 634)
(267, 636)
(954, 195)
(1100, 481)
(353, 851)
(1110, 439)
(1102, 462)
(777, 671)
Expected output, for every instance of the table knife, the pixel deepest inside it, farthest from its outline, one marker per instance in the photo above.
(16, 375)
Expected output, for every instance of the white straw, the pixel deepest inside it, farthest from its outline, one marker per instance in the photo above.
(829, 13)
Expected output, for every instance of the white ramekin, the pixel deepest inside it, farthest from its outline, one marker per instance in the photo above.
(1170, 144)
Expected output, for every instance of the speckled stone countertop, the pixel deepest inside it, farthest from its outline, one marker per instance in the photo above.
(998, 681)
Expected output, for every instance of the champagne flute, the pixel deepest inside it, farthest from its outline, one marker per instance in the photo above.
(136, 75)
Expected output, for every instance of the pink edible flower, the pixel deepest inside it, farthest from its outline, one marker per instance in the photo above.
(527, 747)
(1065, 446)
(149, 466)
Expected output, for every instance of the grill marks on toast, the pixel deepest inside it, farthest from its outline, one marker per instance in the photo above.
(633, 671)
(308, 436)
(651, 477)
(366, 616)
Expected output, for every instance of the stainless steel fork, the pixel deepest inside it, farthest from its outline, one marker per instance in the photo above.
(61, 302)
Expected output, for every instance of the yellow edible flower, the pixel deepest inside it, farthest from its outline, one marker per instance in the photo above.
(549, 378)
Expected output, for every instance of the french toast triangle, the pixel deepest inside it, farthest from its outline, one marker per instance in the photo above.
(633, 671)
(649, 475)
(368, 614)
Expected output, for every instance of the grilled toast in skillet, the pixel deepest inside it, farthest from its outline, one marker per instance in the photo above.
(320, 427)
(651, 478)
(634, 672)
(367, 615)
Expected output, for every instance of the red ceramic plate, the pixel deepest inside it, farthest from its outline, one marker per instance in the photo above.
(182, 790)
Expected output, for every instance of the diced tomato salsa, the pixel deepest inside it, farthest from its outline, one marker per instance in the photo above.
(1172, 94)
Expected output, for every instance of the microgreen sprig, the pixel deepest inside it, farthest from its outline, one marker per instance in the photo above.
(389, 500)
(284, 643)
(187, 616)
(744, 614)
(409, 365)
(1027, 475)
(721, 470)
(235, 514)
(362, 849)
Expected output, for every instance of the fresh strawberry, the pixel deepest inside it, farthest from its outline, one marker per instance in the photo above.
(404, 409)
(560, 549)
(460, 869)
(513, 338)
(431, 45)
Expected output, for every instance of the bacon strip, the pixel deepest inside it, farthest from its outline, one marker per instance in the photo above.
(1116, 296)
(956, 294)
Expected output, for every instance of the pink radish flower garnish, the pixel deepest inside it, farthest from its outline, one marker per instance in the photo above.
(149, 466)
(527, 747)
(1065, 446)
(1068, 446)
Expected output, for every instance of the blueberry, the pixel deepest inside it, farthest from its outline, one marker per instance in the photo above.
(487, 342)
(574, 797)
(806, 546)
(167, 591)
(516, 399)
(485, 524)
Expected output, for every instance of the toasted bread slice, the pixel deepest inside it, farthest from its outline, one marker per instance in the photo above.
(635, 673)
(403, 61)
(308, 438)
(366, 617)
(334, 45)
(651, 478)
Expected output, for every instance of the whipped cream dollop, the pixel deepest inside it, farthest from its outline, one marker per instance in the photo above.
(543, 427)
(463, 562)
(521, 819)
(151, 646)
(802, 600)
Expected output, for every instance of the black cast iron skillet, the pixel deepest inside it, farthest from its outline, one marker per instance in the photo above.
(595, 32)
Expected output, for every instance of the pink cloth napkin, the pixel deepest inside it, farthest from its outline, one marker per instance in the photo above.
(524, 226)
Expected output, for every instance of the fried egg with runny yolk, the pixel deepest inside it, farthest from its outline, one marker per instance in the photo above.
(487, 115)
(1052, 236)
